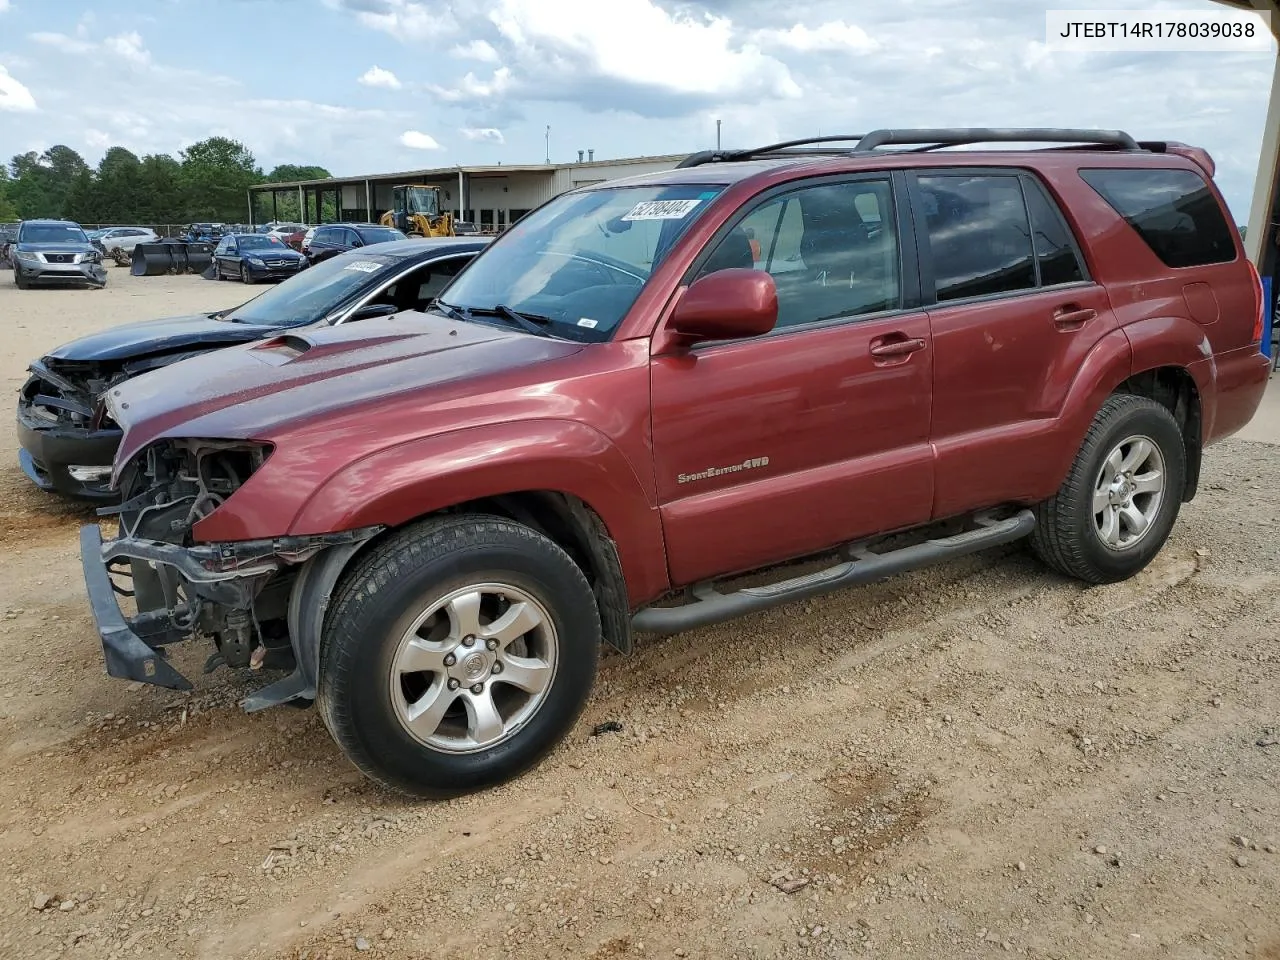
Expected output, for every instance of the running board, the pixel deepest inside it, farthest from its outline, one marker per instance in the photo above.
(711, 606)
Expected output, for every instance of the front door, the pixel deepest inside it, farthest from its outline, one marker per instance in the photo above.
(817, 433)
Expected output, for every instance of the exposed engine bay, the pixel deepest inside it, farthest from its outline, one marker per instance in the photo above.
(237, 594)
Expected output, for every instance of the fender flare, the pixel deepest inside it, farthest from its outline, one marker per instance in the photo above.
(399, 484)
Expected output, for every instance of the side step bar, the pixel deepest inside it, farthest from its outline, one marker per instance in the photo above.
(711, 606)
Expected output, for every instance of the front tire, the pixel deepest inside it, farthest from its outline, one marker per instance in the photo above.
(244, 274)
(457, 655)
(1121, 498)
(20, 280)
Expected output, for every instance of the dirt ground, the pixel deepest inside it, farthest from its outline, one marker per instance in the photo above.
(971, 761)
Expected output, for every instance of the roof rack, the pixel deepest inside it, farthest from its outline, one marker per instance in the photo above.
(921, 140)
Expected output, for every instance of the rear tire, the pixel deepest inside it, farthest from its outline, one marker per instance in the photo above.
(457, 655)
(1121, 498)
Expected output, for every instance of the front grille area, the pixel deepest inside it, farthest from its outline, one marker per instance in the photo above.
(60, 257)
(278, 264)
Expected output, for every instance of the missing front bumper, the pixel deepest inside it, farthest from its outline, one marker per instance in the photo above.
(223, 576)
(126, 654)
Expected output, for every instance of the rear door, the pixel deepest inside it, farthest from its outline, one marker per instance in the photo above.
(818, 432)
(1013, 313)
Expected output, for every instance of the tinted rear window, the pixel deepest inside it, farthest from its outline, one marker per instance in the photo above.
(1172, 210)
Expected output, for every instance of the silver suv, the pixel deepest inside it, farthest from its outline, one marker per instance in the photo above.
(55, 251)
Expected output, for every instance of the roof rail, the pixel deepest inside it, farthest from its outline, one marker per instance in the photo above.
(920, 140)
(955, 136)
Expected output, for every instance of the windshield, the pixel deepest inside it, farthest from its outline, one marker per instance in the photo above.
(314, 293)
(52, 233)
(380, 235)
(253, 242)
(423, 200)
(582, 259)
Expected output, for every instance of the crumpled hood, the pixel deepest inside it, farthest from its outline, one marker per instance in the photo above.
(157, 336)
(257, 389)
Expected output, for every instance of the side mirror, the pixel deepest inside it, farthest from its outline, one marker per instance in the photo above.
(727, 305)
(371, 310)
(357, 242)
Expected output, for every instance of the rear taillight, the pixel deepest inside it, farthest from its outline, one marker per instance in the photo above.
(1260, 318)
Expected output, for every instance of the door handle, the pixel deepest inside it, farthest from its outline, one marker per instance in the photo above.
(886, 349)
(1072, 317)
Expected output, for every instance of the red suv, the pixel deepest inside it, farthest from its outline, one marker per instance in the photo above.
(870, 349)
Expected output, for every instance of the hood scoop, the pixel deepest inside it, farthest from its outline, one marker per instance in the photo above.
(288, 347)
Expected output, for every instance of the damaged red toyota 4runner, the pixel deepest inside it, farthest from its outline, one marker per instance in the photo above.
(826, 349)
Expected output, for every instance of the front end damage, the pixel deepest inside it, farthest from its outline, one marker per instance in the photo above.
(260, 602)
(66, 439)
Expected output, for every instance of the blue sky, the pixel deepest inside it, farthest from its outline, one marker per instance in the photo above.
(363, 86)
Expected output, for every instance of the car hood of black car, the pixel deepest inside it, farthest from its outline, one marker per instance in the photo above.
(149, 337)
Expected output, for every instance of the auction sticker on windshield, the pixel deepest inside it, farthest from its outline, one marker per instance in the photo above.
(662, 209)
(364, 266)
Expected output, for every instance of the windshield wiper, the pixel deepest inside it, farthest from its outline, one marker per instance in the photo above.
(531, 322)
(448, 309)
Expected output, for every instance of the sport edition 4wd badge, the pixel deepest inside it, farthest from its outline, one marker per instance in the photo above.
(752, 464)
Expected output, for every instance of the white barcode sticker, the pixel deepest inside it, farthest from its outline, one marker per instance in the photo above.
(364, 266)
(588, 322)
(662, 209)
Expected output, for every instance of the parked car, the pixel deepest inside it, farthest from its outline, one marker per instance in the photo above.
(618, 409)
(465, 228)
(55, 252)
(124, 238)
(335, 238)
(66, 442)
(251, 257)
(294, 240)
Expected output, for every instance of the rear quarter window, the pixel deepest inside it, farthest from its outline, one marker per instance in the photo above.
(1173, 211)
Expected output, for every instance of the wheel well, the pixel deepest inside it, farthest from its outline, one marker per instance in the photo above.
(1174, 389)
(580, 532)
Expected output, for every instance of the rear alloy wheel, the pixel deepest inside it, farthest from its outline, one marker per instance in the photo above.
(457, 654)
(1122, 496)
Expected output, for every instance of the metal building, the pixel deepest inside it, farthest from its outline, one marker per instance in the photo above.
(489, 196)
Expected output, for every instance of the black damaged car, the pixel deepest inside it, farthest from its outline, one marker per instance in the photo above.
(67, 440)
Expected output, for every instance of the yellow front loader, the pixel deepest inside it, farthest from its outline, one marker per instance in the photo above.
(416, 211)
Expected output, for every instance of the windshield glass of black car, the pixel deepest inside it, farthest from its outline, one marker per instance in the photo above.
(313, 294)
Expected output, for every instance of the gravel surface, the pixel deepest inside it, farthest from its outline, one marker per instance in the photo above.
(977, 759)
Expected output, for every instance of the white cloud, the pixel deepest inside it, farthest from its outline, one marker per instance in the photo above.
(570, 41)
(13, 95)
(375, 76)
(63, 43)
(4, 5)
(483, 134)
(97, 139)
(407, 20)
(481, 50)
(416, 140)
(472, 87)
(129, 46)
(833, 36)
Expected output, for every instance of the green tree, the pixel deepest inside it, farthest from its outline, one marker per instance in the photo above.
(8, 212)
(43, 182)
(217, 174)
(161, 190)
(117, 188)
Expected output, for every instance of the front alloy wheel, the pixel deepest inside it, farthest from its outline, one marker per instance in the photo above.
(457, 653)
(474, 667)
(1128, 492)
